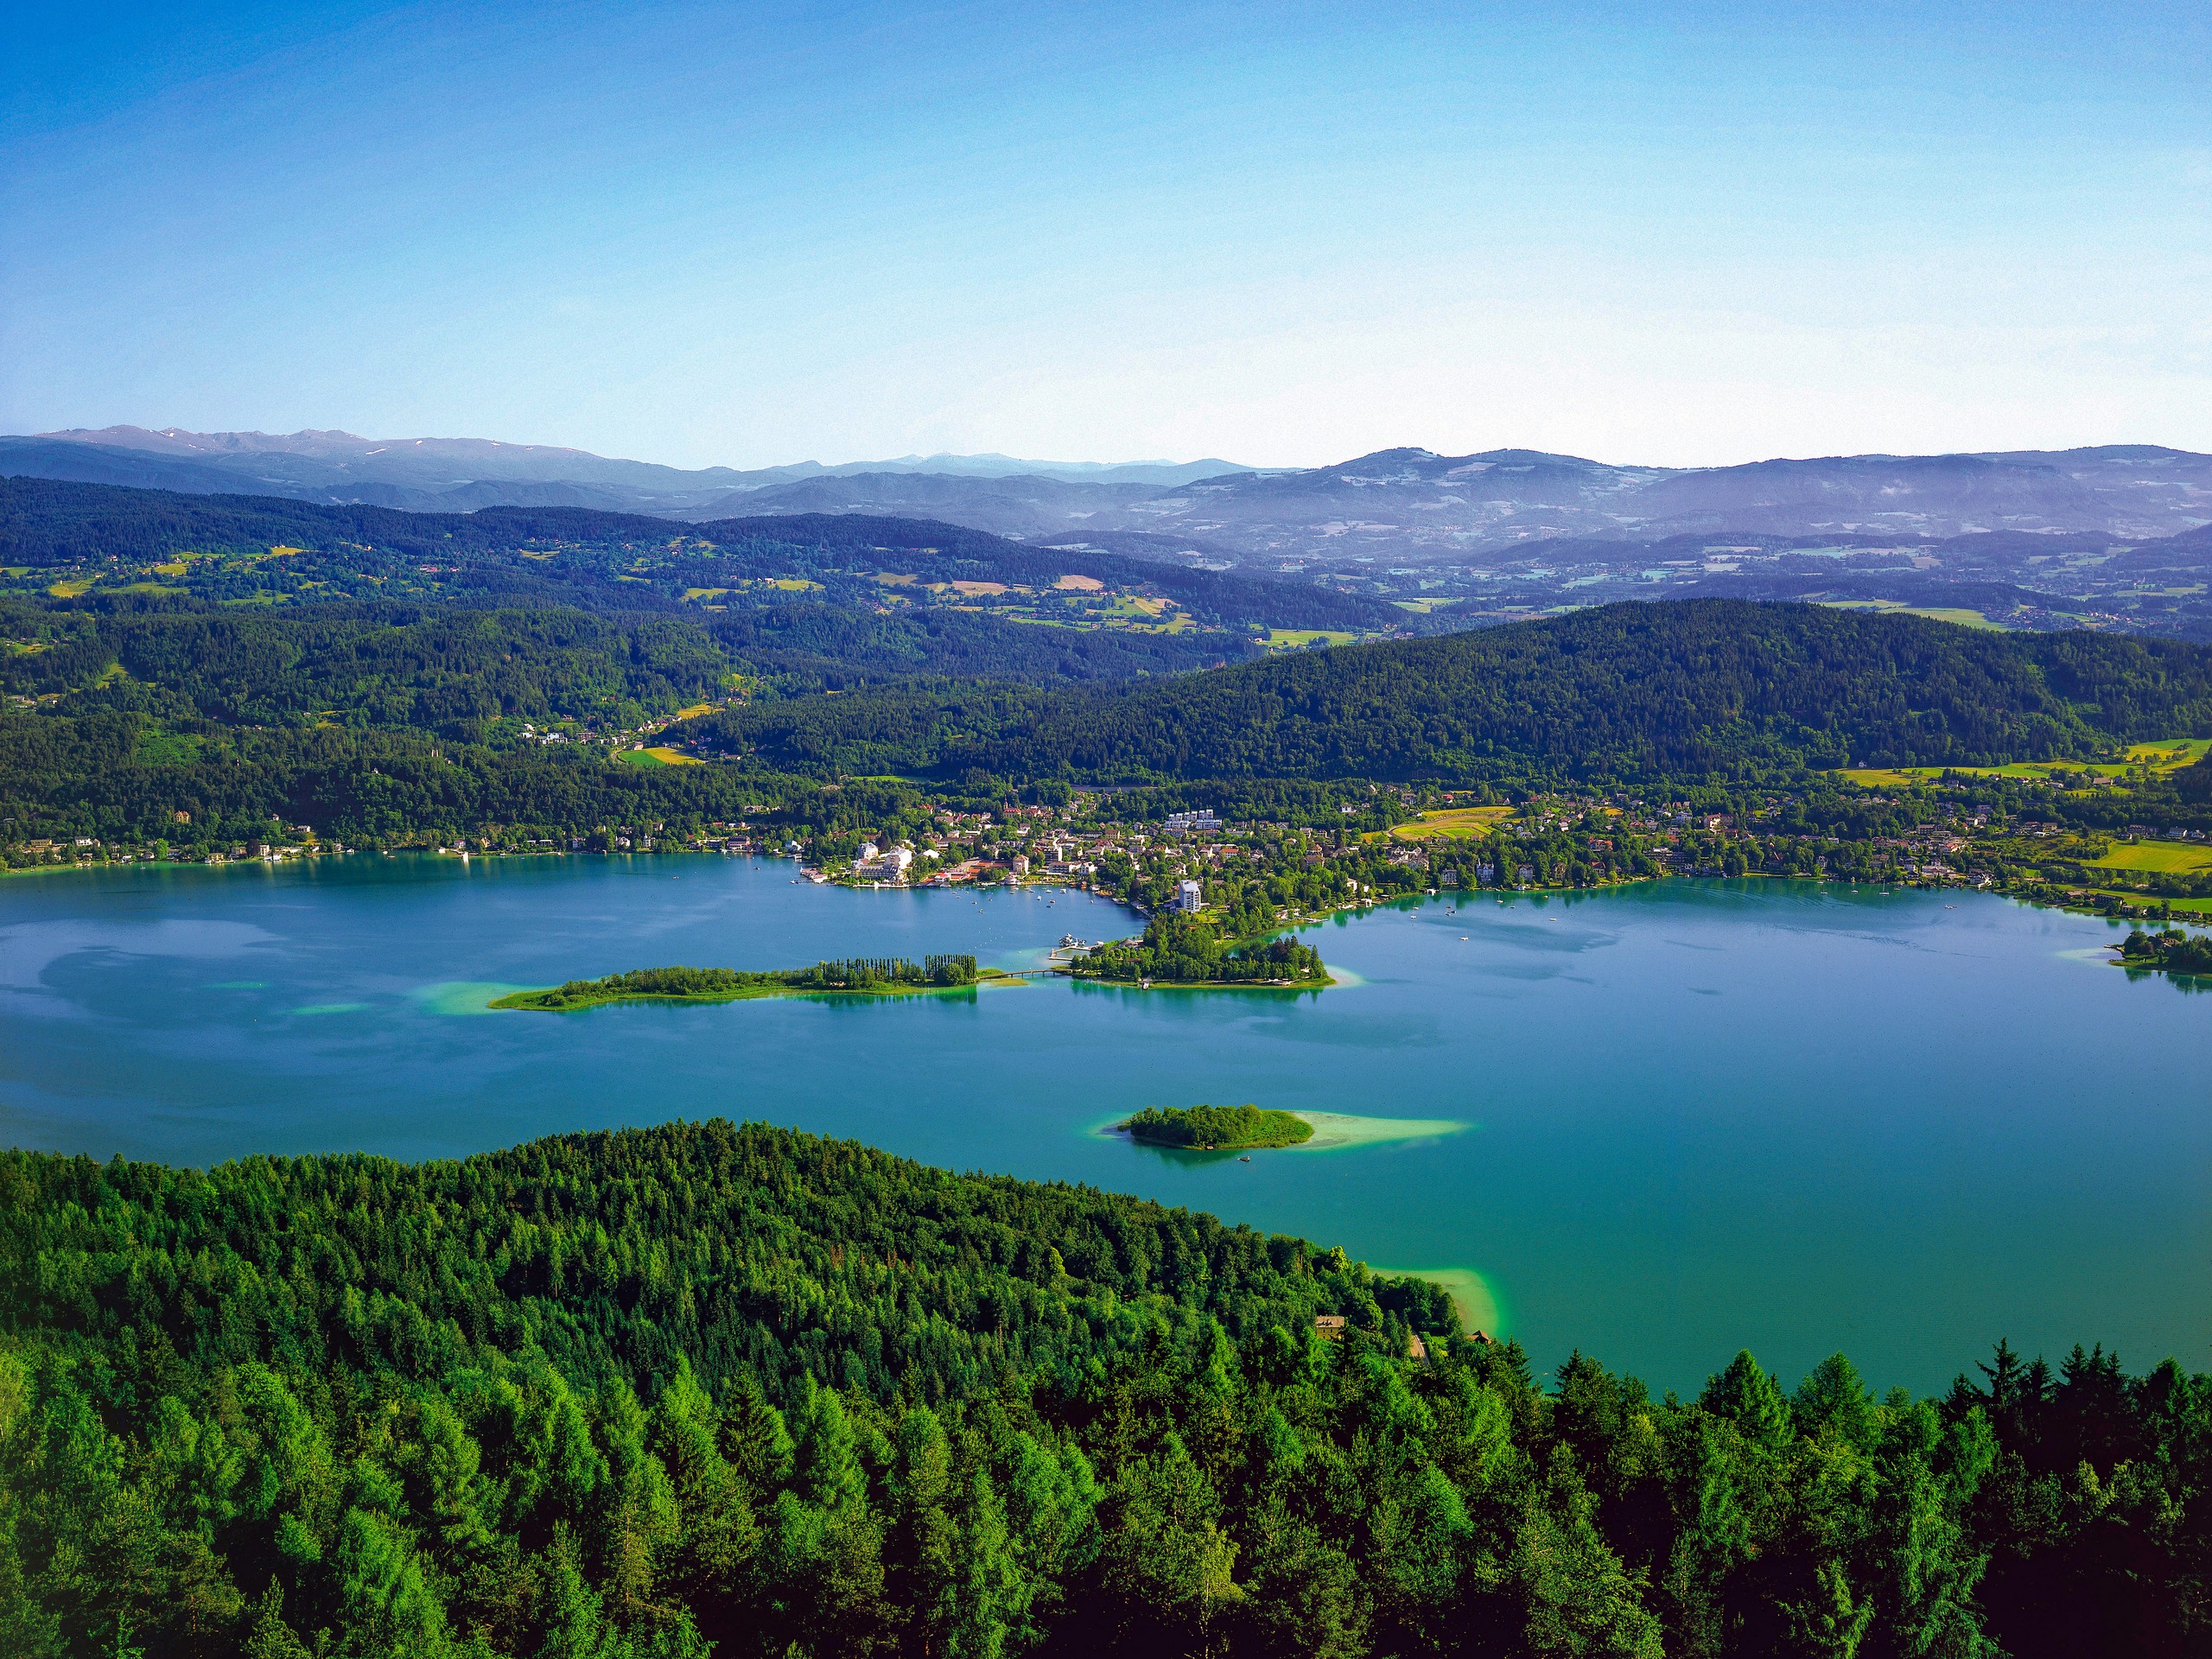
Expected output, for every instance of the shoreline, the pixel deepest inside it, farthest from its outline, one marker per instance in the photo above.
(1332, 1132)
(1323, 984)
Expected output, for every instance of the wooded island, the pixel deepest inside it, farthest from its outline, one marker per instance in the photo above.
(1177, 951)
(872, 976)
(1216, 1128)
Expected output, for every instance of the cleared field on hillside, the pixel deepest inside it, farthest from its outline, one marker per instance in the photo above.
(1453, 823)
(2161, 754)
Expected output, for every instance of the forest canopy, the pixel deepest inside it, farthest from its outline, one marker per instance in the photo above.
(1226, 1129)
(741, 1391)
(1633, 691)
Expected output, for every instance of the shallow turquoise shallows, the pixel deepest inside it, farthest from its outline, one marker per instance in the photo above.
(1698, 1116)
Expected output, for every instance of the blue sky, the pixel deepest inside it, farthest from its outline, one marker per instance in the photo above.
(1282, 234)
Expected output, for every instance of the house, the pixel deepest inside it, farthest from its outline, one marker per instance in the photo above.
(1329, 1326)
(1188, 897)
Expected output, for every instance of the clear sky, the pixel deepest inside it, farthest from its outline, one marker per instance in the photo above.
(1276, 234)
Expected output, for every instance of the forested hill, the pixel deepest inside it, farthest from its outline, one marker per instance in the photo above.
(705, 1389)
(575, 555)
(1708, 686)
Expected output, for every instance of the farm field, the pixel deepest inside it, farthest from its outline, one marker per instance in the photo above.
(2162, 755)
(1959, 614)
(2164, 857)
(1451, 823)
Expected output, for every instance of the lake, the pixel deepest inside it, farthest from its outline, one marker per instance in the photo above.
(1697, 1115)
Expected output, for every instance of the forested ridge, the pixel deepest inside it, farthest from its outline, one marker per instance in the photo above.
(705, 1389)
(576, 556)
(451, 673)
(1635, 690)
(380, 722)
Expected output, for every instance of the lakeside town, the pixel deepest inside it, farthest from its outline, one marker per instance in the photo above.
(2084, 839)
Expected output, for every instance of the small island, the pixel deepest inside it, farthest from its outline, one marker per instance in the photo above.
(856, 976)
(1177, 951)
(1216, 1128)
(2171, 952)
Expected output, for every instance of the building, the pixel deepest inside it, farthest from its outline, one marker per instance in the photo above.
(896, 860)
(1188, 897)
(1179, 822)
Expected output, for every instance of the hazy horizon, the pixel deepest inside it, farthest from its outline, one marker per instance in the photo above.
(1104, 463)
(1285, 236)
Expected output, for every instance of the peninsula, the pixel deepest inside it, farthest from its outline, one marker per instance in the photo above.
(2171, 953)
(1216, 1128)
(857, 975)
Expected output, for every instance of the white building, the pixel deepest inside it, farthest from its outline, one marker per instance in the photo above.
(1188, 896)
(896, 860)
(868, 850)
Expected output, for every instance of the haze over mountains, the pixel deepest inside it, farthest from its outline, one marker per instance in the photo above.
(461, 475)
(2115, 536)
(1409, 504)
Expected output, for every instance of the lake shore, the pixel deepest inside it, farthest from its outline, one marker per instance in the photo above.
(1322, 983)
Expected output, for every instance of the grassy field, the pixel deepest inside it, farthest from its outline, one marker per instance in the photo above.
(1295, 638)
(661, 755)
(2163, 754)
(1959, 614)
(1453, 823)
(2165, 857)
(2168, 753)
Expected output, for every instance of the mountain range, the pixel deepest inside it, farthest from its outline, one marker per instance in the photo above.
(1408, 505)
(461, 475)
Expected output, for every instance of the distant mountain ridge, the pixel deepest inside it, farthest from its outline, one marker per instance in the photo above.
(1406, 507)
(461, 474)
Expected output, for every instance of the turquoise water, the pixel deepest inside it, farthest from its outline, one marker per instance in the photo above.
(1698, 1115)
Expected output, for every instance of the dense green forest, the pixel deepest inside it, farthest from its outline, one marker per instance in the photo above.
(377, 723)
(1633, 690)
(1180, 950)
(704, 1388)
(947, 972)
(1224, 1127)
(410, 668)
(2170, 951)
(221, 548)
(460, 672)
